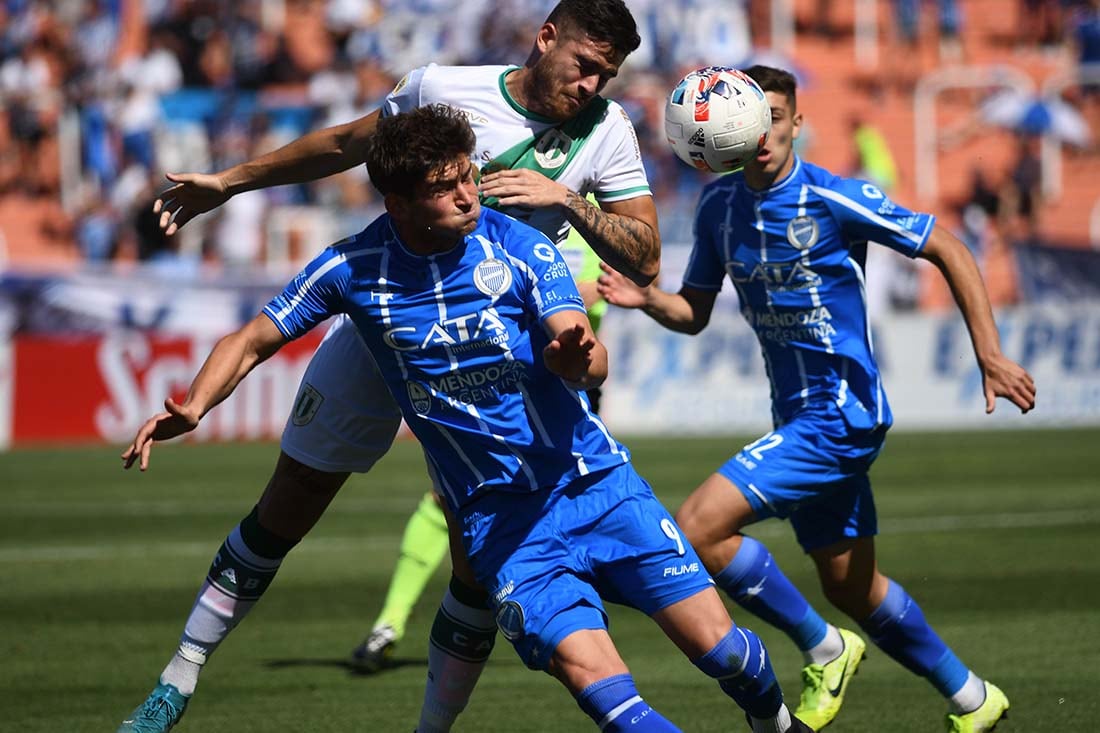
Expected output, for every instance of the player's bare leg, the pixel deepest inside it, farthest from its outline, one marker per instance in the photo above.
(462, 637)
(712, 518)
(589, 666)
(244, 566)
(734, 656)
(296, 497)
(423, 545)
(852, 582)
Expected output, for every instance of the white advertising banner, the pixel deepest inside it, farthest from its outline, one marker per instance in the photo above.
(666, 383)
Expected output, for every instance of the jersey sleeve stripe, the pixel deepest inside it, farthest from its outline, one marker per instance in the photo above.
(626, 193)
(521, 265)
(562, 307)
(917, 238)
(320, 272)
(267, 311)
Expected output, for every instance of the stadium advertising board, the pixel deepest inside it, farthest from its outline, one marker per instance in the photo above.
(90, 359)
(665, 383)
(100, 388)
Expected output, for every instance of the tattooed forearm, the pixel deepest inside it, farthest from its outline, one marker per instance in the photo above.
(629, 245)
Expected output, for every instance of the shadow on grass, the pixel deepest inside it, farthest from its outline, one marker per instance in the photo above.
(391, 664)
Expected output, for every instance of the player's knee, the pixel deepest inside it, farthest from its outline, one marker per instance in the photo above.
(712, 513)
(577, 674)
(292, 477)
(694, 523)
(296, 497)
(853, 598)
(582, 658)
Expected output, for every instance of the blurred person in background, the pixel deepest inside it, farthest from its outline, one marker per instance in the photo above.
(892, 281)
(1083, 38)
(903, 61)
(1039, 24)
(1021, 194)
(792, 237)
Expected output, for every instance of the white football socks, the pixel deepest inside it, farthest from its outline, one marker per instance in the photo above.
(969, 697)
(826, 650)
(183, 670)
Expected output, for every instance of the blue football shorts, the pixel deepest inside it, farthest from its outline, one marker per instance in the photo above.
(812, 470)
(549, 557)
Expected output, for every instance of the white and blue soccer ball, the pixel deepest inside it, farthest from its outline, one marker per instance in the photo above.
(717, 118)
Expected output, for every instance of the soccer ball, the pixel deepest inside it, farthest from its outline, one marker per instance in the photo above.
(717, 118)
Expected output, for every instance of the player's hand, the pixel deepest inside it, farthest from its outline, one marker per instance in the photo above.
(570, 353)
(618, 290)
(1002, 377)
(162, 426)
(523, 187)
(193, 194)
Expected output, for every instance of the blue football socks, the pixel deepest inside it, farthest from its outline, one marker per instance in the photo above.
(755, 582)
(616, 707)
(743, 669)
(898, 627)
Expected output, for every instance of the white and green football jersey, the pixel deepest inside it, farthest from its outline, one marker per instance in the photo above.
(596, 152)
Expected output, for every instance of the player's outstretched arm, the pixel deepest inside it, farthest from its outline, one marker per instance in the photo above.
(687, 311)
(232, 358)
(574, 353)
(624, 233)
(316, 155)
(1001, 377)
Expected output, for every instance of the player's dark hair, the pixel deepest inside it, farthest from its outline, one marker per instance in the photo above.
(405, 148)
(605, 21)
(775, 80)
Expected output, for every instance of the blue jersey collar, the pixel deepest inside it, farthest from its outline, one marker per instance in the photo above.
(402, 249)
(781, 183)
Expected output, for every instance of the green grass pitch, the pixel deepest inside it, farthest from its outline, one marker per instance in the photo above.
(996, 535)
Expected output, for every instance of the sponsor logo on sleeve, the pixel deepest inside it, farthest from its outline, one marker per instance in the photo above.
(544, 251)
(559, 270)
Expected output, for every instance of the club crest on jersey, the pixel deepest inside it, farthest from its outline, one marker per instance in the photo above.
(306, 406)
(802, 232)
(492, 276)
(419, 397)
(552, 148)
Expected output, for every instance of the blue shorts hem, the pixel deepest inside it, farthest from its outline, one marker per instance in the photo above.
(536, 650)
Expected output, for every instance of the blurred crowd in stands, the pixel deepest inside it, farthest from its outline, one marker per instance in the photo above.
(99, 98)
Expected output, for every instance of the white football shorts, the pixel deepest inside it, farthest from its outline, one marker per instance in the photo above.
(344, 417)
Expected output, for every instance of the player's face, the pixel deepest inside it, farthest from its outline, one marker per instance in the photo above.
(776, 159)
(569, 72)
(445, 207)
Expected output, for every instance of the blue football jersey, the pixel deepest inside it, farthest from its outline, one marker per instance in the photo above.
(795, 254)
(458, 337)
